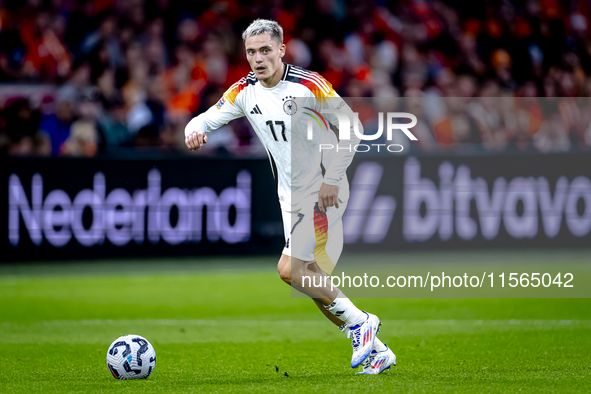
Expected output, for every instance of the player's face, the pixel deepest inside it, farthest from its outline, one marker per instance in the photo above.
(264, 56)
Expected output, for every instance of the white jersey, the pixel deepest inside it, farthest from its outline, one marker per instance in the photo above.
(269, 111)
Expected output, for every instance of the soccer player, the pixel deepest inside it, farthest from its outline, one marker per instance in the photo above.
(312, 185)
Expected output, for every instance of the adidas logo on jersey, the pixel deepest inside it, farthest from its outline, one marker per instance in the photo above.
(256, 110)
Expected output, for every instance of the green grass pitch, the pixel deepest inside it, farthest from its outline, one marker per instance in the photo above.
(231, 325)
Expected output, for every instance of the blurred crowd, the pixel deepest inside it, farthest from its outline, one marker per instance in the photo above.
(129, 74)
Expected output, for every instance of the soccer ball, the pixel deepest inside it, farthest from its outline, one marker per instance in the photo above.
(131, 357)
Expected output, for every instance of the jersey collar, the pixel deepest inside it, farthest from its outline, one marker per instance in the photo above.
(285, 71)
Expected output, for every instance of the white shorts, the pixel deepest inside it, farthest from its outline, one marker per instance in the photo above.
(313, 236)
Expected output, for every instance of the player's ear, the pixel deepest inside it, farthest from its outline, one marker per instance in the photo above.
(282, 49)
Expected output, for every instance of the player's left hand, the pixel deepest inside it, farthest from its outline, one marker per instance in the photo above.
(328, 196)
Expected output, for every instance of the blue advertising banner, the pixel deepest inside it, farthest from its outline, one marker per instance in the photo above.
(81, 208)
(481, 201)
(77, 208)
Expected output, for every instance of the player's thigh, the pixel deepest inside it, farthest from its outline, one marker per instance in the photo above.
(298, 228)
(329, 237)
(316, 236)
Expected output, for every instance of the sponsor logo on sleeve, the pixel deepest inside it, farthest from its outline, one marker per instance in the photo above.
(220, 103)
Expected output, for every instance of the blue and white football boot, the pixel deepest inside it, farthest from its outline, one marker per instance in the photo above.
(378, 362)
(363, 336)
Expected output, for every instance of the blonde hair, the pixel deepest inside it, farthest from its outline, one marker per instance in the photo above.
(262, 26)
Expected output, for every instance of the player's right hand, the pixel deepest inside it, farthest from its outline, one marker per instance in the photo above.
(195, 140)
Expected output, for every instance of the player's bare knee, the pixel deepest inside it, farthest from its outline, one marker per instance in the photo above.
(284, 269)
(297, 271)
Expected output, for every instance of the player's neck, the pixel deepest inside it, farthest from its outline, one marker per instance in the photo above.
(272, 81)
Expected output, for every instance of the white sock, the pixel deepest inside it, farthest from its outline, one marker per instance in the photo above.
(378, 345)
(344, 309)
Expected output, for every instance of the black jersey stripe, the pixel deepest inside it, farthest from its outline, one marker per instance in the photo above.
(312, 78)
(285, 71)
(274, 169)
(315, 76)
(251, 79)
